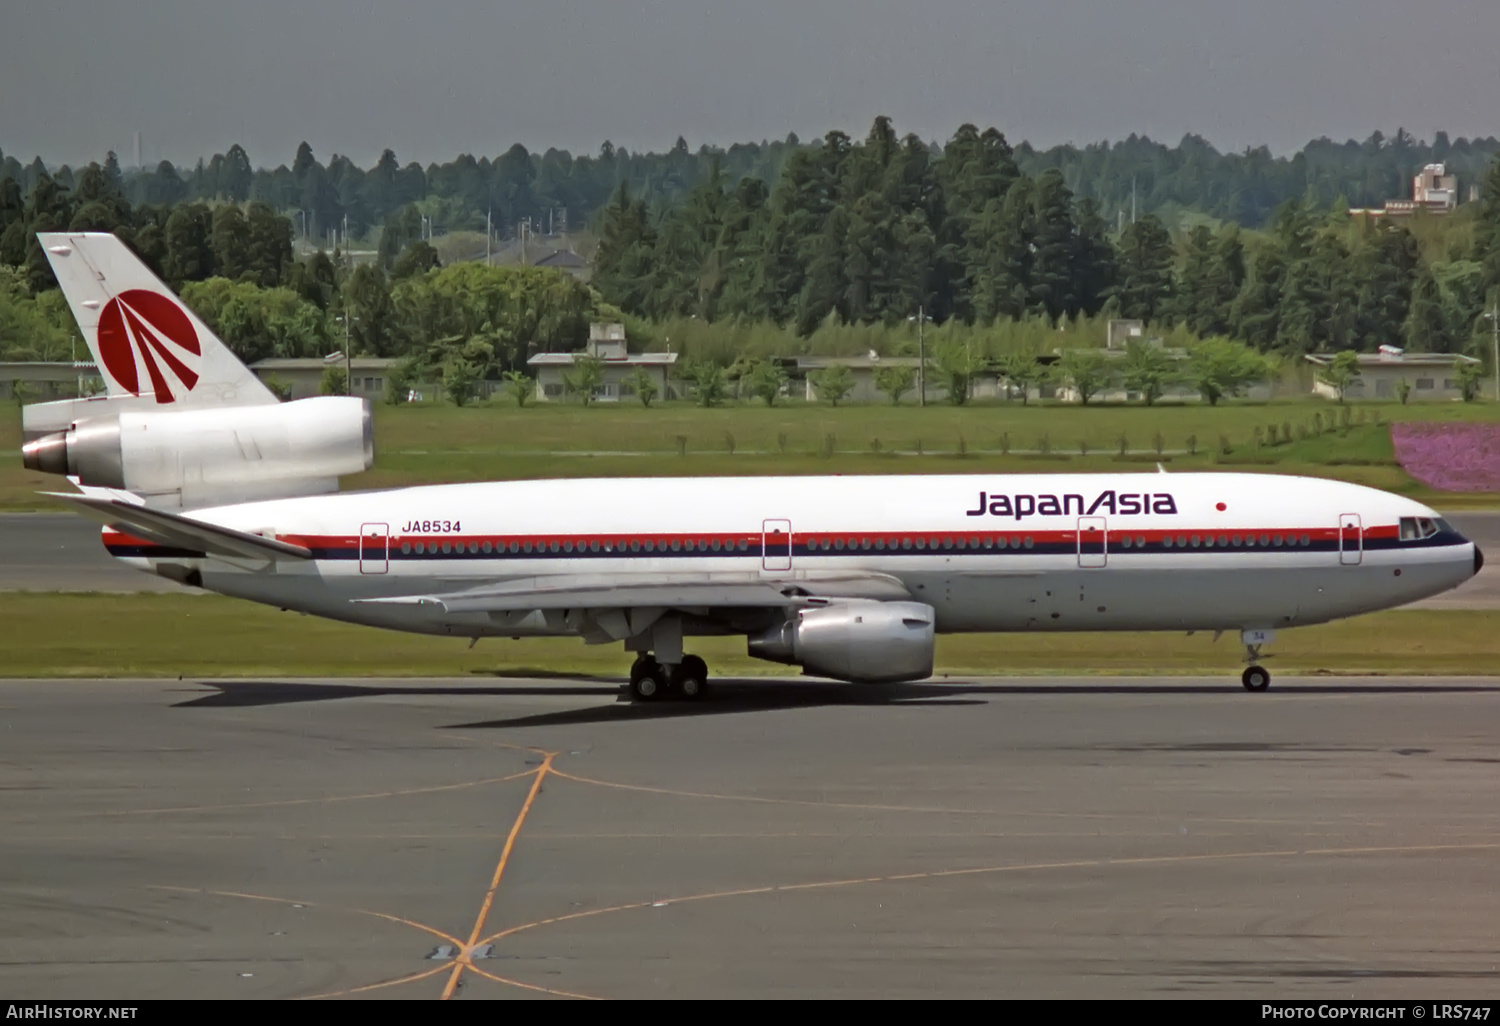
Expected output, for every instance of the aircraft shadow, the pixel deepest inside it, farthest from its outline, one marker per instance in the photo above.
(253, 693)
(728, 697)
(750, 696)
(736, 696)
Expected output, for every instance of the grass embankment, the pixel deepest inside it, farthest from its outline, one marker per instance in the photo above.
(51, 635)
(428, 443)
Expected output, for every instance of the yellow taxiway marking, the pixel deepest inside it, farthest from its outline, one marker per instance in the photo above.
(464, 958)
(940, 874)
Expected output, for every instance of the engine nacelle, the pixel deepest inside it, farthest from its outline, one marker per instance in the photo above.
(216, 455)
(863, 642)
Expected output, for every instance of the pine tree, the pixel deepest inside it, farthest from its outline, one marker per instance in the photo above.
(1003, 277)
(1215, 309)
(1383, 271)
(49, 208)
(231, 241)
(624, 263)
(1426, 325)
(190, 255)
(1193, 288)
(1487, 227)
(1050, 291)
(1095, 267)
(1145, 259)
(1256, 312)
(977, 169)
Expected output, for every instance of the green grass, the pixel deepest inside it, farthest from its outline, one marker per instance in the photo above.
(429, 443)
(55, 635)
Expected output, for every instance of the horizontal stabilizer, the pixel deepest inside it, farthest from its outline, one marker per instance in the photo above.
(178, 531)
(705, 590)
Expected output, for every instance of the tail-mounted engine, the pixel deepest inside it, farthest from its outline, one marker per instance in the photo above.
(863, 642)
(201, 457)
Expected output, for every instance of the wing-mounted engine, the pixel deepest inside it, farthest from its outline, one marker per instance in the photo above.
(199, 457)
(863, 642)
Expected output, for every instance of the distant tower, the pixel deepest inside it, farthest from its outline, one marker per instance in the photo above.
(137, 149)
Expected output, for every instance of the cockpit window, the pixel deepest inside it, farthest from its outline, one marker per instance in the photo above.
(1417, 528)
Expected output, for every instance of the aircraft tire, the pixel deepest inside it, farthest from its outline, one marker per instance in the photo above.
(690, 680)
(648, 680)
(1256, 678)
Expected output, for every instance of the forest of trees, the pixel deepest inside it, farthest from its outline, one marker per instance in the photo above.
(798, 238)
(880, 230)
(235, 265)
(1133, 176)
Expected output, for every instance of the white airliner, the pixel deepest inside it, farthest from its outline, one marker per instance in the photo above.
(846, 577)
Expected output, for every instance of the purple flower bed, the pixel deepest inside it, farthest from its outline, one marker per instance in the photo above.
(1450, 457)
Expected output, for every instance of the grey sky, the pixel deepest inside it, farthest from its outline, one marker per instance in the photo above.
(437, 78)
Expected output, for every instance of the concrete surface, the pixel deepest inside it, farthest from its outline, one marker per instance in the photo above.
(1022, 838)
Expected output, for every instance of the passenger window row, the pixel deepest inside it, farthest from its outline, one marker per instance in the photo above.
(531, 548)
(1237, 541)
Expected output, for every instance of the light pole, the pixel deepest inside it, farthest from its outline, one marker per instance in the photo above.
(348, 359)
(921, 319)
(1494, 316)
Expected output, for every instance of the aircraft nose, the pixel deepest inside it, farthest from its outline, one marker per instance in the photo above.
(1478, 559)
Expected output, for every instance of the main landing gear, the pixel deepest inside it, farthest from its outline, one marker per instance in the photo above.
(650, 680)
(1255, 677)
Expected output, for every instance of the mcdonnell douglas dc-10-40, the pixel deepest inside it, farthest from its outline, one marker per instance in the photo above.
(200, 475)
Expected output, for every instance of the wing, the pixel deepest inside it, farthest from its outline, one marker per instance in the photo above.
(671, 591)
(178, 531)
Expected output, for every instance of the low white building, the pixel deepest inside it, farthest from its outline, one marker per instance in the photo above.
(303, 376)
(986, 383)
(802, 371)
(39, 381)
(1429, 375)
(1177, 389)
(607, 345)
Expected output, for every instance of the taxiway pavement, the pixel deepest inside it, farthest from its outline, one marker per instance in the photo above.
(1017, 838)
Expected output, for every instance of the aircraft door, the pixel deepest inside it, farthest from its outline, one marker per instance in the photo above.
(1093, 542)
(374, 548)
(776, 545)
(1351, 540)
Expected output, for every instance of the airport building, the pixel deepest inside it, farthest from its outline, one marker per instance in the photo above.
(1433, 191)
(299, 378)
(1430, 376)
(607, 345)
(568, 262)
(37, 381)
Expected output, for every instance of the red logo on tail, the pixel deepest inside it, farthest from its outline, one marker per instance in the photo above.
(146, 329)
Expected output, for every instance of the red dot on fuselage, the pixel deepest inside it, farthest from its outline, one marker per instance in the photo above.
(1222, 507)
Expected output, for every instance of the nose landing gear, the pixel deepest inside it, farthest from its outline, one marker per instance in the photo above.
(1256, 677)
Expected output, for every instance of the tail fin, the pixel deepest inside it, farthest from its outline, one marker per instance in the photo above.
(146, 342)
